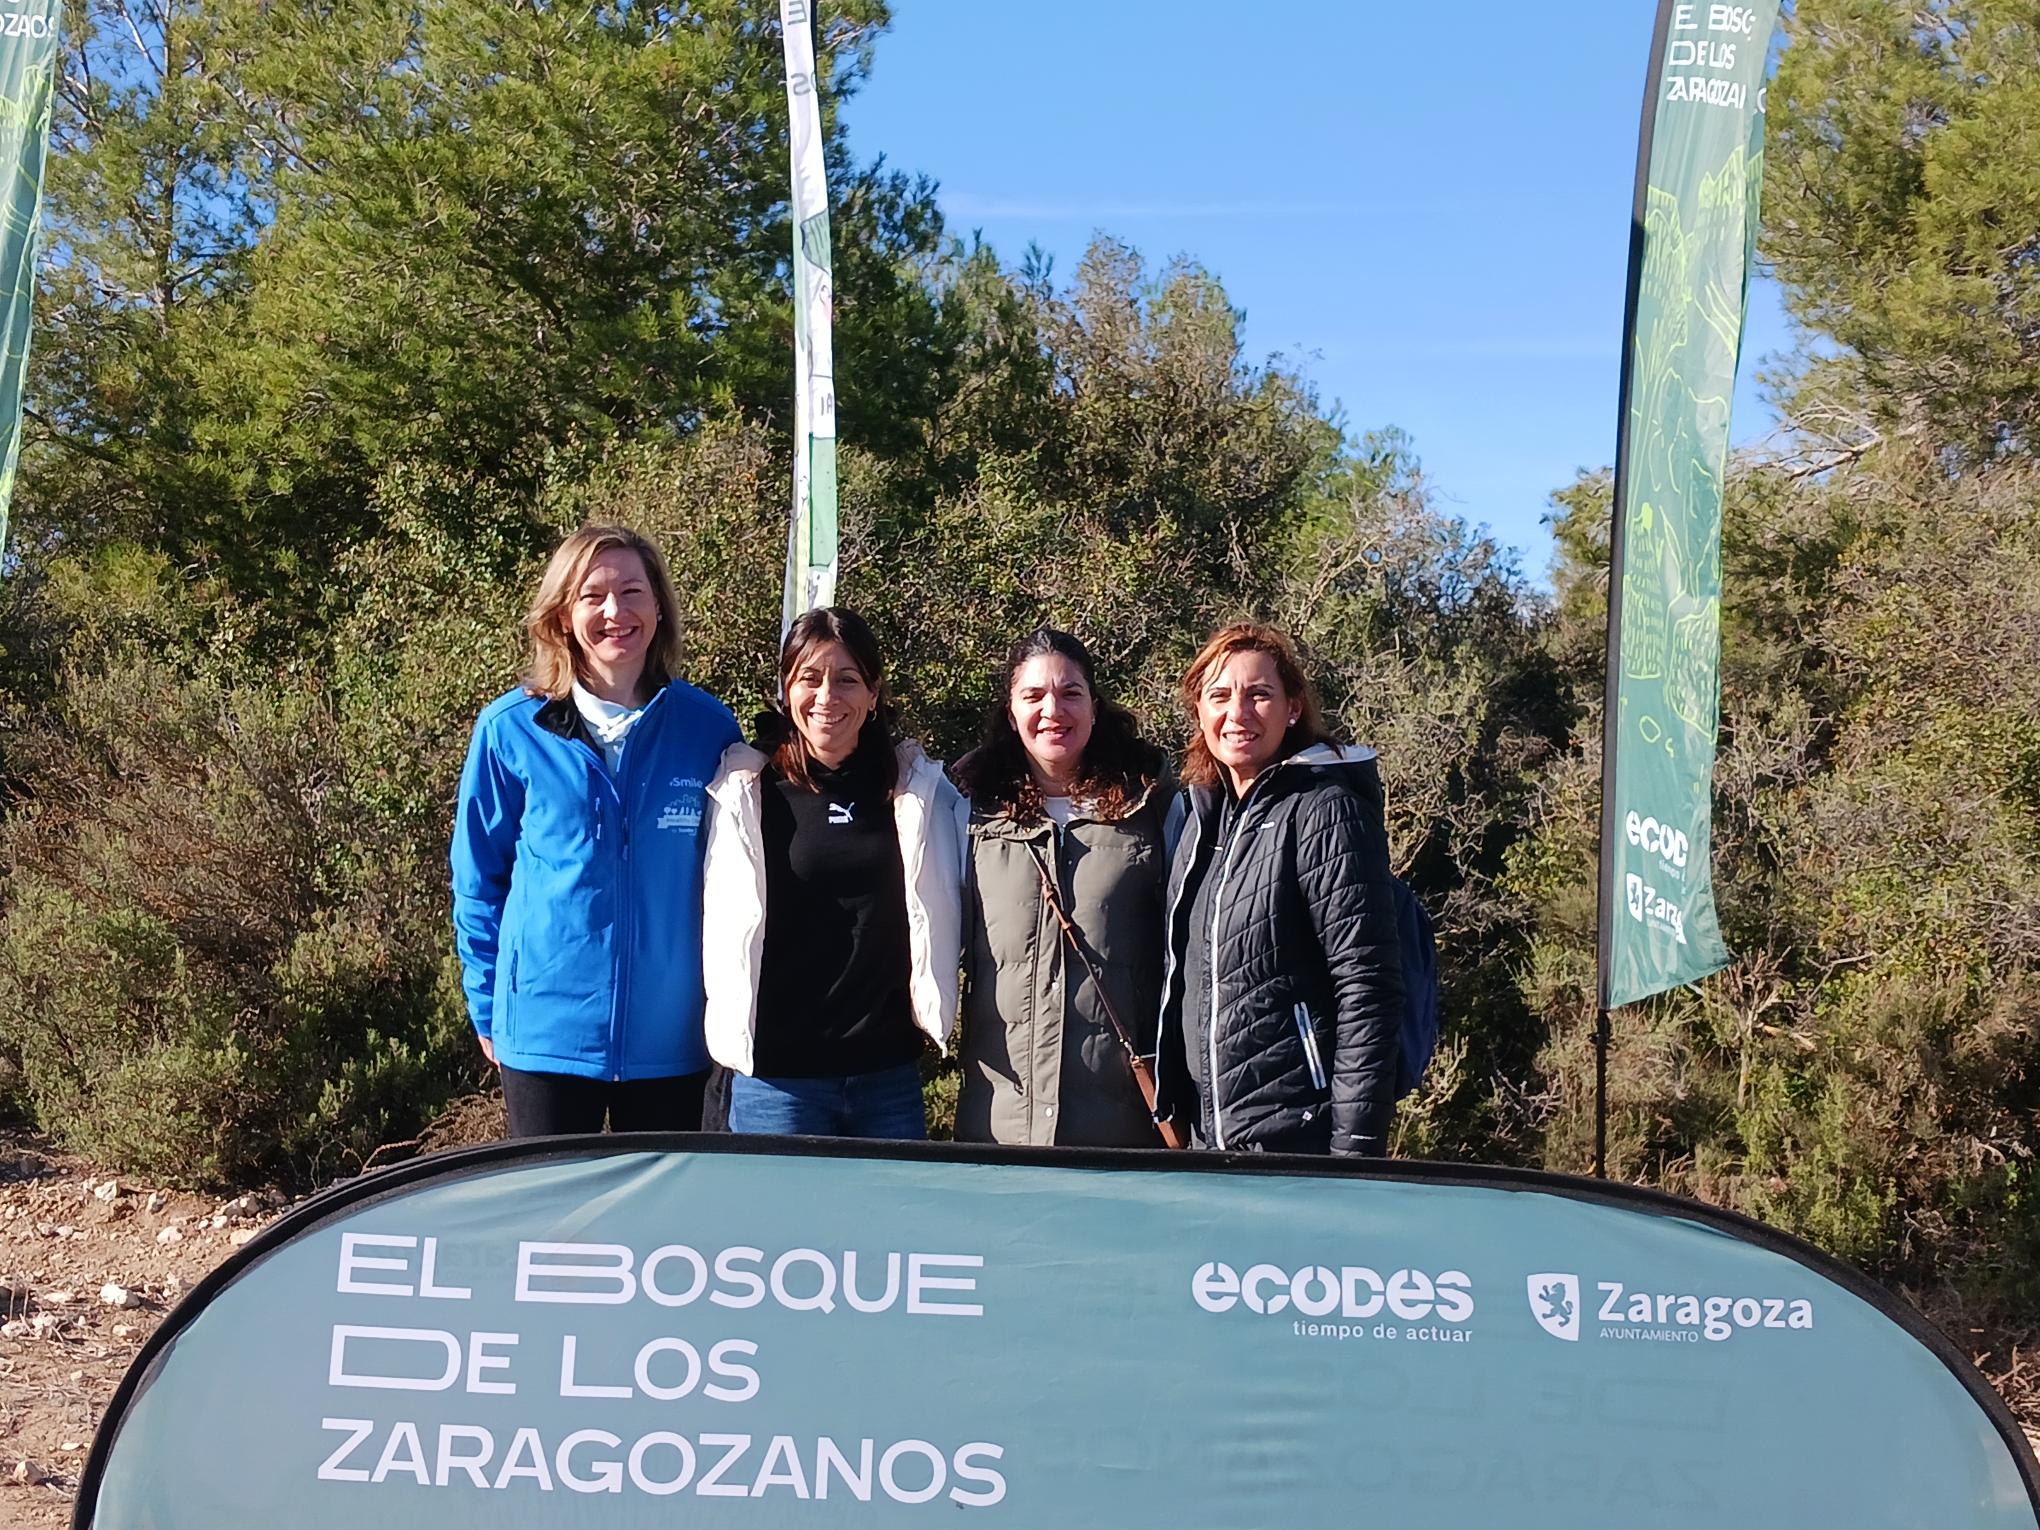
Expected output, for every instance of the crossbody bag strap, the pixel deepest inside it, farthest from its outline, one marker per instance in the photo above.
(1143, 1075)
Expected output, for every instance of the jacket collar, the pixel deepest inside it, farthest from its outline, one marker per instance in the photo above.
(1295, 772)
(742, 765)
(1329, 754)
(1001, 824)
(918, 774)
(556, 715)
(559, 716)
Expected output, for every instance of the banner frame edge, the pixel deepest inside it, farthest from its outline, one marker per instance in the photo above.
(457, 1163)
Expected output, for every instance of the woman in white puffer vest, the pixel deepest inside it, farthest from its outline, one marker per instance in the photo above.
(832, 901)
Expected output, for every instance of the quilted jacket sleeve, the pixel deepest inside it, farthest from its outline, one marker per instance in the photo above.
(1342, 869)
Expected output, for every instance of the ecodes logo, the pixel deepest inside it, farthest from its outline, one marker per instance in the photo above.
(1649, 906)
(1351, 1291)
(1665, 1316)
(1655, 838)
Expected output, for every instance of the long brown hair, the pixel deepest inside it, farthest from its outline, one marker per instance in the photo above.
(555, 656)
(1118, 765)
(1199, 768)
(775, 733)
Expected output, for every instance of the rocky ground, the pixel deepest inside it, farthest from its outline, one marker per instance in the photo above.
(91, 1263)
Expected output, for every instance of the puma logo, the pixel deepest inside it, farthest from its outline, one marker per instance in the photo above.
(839, 812)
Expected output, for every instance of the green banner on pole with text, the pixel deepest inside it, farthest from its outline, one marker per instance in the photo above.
(811, 543)
(1700, 173)
(28, 67)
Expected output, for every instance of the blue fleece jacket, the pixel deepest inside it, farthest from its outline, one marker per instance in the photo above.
(577, 893)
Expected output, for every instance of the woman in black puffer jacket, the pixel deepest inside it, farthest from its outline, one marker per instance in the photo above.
(1284, 995)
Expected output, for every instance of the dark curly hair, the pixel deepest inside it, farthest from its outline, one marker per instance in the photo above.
(774, 733)
(1118, 767)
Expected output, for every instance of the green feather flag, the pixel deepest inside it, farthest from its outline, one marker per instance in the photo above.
(811, 547)
(28, 68)
(1700, 168)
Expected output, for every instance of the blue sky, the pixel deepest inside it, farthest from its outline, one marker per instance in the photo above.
(1430, 220)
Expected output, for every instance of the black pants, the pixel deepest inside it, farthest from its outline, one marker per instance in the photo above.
(557, 1104)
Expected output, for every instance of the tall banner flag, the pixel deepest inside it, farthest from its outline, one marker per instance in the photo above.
(811, 547)
(735, 1334)
(28, 70)
(1700, 171)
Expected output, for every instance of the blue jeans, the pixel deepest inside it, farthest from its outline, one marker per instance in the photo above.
(884, 1104)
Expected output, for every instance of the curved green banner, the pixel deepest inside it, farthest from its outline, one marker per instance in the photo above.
(586, 1333)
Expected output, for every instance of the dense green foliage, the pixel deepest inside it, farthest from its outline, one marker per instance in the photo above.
(351, 308)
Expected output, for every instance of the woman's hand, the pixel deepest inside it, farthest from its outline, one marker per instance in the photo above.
(489, 1051)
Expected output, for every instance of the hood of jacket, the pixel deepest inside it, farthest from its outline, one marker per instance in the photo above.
(1000, 823)
(1354, 766)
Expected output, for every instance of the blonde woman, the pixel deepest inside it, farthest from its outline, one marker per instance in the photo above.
(577, 850)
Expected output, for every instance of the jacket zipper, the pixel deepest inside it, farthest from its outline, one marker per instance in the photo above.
(1174, 905)
(499, 1031)
(1169, 956)
(753, 824)
(628, 904)
(1217, 906)
(1060, 964)
(622, 953)
(616, 961)
(607, 786)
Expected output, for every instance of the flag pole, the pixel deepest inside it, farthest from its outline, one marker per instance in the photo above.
(1602, 1031)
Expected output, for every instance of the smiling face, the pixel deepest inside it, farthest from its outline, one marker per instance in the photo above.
(611, 618)
(1244, 713)
(830, 700)
(1052, 711)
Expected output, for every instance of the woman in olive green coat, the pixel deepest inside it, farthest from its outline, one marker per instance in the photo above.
(1071, 811)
